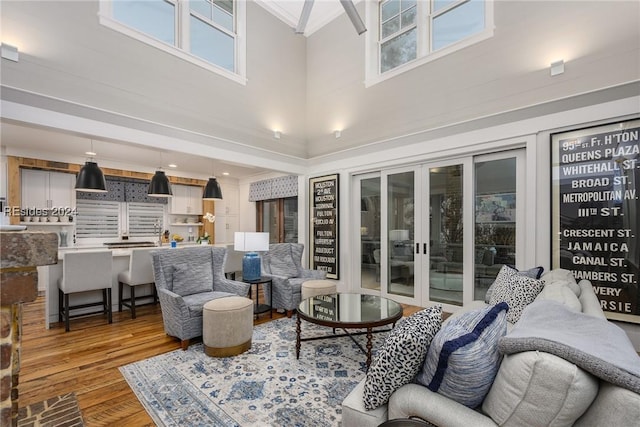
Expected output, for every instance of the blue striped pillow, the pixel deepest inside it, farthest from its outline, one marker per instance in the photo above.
(463, 358)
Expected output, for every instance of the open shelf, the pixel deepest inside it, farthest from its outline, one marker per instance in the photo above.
(63, 224)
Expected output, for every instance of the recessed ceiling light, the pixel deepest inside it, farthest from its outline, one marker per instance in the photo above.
(90, 153)
(171, 165)
(225, 173)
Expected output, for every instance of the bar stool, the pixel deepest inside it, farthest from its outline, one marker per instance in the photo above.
(140, 272)
(82, 272)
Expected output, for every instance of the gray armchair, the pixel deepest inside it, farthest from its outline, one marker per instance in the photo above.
(283, 264)
(186, 279)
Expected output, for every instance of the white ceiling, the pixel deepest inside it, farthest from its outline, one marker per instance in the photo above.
(322, 12)
(65, 147)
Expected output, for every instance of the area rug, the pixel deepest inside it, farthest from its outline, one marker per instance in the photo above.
(58, 411)
(265, 386)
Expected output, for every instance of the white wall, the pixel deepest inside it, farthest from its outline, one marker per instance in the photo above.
(599, 41)
(532, 134)
(66, 55)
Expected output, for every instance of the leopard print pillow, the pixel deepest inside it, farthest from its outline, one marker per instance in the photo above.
(517, 290)
(401, 356)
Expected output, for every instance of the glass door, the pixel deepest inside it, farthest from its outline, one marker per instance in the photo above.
(498, 216)
(370, 231)
(441, 231)
(400, 232)
(444, 258)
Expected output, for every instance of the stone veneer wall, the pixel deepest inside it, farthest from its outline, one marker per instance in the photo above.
(20, 253)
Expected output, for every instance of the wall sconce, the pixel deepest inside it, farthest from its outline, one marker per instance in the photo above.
(277, 134)
(337, 133)
(557, 67)
(9, 52)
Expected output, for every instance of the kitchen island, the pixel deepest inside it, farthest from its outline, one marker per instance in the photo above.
(48, 279)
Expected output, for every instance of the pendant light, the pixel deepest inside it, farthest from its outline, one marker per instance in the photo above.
(212, 191)
(159, 185)
(90, 178)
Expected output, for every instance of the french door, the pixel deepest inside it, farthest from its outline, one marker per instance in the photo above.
(438, 232)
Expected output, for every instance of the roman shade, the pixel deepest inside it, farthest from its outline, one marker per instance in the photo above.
(274, 188)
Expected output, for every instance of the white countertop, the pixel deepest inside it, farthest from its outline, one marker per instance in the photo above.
(117, 252)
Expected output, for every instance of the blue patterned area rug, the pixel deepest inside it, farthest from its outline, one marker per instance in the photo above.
(265, 386)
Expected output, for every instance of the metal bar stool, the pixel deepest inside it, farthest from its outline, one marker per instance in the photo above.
(83, 272)
(140, 272)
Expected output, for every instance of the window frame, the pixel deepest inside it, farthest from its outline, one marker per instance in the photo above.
(424, 53)
(182, 32)
(280, 211)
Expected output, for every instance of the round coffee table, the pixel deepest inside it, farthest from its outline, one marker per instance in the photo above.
(348, 311)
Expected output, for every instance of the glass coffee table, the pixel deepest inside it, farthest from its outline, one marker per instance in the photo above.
(348, 311)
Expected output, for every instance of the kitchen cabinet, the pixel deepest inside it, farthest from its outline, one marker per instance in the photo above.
(227, 218)
(186, 200)
(226, 226)
(230, 201)
(47, 190)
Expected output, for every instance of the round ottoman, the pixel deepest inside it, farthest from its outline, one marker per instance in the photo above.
(227, 326)
(312, 288)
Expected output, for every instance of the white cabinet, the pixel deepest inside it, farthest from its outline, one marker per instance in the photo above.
(186, 200)
(229, 205)
(47, 190)
(227, 218)
(226, 226)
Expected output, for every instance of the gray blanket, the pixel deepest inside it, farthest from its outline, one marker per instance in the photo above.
(593, 344)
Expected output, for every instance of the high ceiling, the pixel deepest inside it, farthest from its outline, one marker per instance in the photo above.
(323, 12)
(31, 141)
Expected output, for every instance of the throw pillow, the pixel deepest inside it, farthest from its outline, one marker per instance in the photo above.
(560, 291)
(463, 358)
(191, 279)
(401, 355)
(284, 267)
(516, 290)
(534, 388)
(535, 273)
(562, 275)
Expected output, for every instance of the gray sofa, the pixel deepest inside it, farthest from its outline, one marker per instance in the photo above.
(186, 279)
(566, 394)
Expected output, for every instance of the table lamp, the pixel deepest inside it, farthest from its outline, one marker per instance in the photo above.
(250, 243)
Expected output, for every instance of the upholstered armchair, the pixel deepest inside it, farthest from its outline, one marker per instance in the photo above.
(186, 279)
(283, 264)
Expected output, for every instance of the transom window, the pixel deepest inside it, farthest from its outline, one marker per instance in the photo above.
(208, 33)
(409, 33)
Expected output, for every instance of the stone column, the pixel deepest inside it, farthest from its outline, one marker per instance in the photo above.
(20, 253)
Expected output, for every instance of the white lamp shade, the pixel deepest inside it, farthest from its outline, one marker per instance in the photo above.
(399, 235)
(250, 241)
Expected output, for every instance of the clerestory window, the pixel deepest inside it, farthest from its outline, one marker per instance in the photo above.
(408, 33)
(209, 33)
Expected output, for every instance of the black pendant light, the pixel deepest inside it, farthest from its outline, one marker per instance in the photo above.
(159, 185)
(212, 191)
(90, 178)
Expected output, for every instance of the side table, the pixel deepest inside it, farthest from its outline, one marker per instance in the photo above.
(261, 308)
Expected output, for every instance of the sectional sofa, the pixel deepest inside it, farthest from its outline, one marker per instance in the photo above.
(532, 386)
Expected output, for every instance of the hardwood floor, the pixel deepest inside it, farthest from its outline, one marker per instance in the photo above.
(86, 360)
